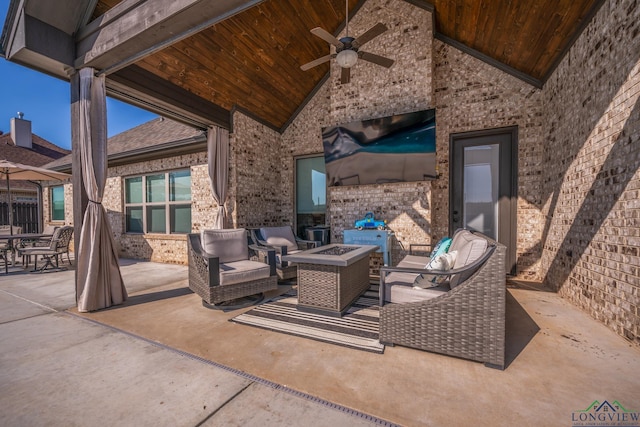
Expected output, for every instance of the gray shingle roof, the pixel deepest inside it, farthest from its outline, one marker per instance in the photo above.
(155, 133)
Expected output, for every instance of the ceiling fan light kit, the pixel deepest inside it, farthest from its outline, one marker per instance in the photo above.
(347, 58)
(347, 49)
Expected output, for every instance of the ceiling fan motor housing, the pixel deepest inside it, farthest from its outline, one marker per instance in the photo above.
(347, 54)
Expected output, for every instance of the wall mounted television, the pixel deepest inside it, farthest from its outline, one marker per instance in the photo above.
(398, 148)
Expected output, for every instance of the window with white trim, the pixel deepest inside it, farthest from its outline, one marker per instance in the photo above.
(158, 203)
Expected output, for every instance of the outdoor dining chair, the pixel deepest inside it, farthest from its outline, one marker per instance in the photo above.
(6, 245)
(58, 246)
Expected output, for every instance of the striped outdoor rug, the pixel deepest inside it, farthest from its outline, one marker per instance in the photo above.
(358, 328)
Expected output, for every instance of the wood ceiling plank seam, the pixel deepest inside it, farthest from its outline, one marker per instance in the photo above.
(483, 24)
(549, 48)
(229, 66)
(501, 12)
(542, 48)
(287, 44)
(459, 20)
(521, 45)
(588, 11)
(241, 90)
(273, 81)
(506, 44)
(168, 71)
(471, 13)
(441, 12)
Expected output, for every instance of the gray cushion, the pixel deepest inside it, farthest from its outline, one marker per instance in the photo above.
(469, 247)
(399, 289)
(242, 271)
(228, 245)
(280, 236)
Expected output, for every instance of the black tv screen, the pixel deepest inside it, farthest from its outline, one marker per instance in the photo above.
(396, 148)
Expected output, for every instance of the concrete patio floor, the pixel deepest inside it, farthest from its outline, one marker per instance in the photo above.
(163, 359)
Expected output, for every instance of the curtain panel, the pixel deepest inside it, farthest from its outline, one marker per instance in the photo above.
(218, 161)
(98, 273)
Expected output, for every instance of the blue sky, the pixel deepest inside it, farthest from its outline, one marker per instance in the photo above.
(45, 101)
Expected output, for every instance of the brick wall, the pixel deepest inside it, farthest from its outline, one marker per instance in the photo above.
(473, 95)
(165, 248)
(591, 181)
(374, 91)
(255, 164)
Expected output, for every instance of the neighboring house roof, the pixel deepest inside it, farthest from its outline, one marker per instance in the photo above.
(159, 137)
(40, 153)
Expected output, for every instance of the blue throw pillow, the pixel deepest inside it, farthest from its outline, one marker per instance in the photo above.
(442, 247)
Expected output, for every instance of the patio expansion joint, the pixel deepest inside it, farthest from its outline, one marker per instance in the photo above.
(252, 378)
(45, 307)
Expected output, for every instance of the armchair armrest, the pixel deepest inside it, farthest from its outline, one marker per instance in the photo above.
(307, 244)
(265, 254)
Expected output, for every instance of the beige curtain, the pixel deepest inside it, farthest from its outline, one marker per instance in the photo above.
(218, 158)
(98, 273)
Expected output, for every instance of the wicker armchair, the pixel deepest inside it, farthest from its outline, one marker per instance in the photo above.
(467, 320)
(284, 242)
(222, 268)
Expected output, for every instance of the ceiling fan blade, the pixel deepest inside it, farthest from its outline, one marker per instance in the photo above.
(376, 59)
(326, 36)
(371, 33)
(315, 62)
(345, 76)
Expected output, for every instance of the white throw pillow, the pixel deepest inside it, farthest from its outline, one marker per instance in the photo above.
(442, 262)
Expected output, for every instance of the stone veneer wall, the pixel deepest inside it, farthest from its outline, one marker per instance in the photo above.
(473, 95)
(591, 186)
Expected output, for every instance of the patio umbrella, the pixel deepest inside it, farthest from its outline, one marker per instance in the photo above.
(11, 171)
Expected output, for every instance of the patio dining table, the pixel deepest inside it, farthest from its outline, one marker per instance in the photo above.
(19, 236)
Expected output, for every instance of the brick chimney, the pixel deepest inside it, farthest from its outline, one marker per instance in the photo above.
(21, 131)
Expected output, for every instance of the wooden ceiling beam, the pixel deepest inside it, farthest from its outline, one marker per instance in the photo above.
(135, 28)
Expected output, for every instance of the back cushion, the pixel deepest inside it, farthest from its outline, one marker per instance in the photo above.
(469, 248)
(228, 245)
(280, 236)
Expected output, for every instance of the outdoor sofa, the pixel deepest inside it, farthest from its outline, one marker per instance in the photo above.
(462, 314)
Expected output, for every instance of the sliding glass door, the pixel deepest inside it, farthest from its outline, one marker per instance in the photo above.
(311, 193)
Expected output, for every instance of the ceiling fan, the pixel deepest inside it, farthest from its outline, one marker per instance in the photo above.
(348, 49)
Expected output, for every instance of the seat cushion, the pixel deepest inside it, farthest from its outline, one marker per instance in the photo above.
(242, 271)
(280, 236)
(228, 245)
(399, 289)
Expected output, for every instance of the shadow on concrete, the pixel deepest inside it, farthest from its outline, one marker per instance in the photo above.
(520, 330)
(151, 297)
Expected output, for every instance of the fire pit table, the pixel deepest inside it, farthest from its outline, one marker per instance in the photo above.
(331, 277)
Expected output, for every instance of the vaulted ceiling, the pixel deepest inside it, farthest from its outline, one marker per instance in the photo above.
(251, 59)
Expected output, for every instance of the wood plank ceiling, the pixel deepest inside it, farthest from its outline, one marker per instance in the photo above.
(252, 60)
